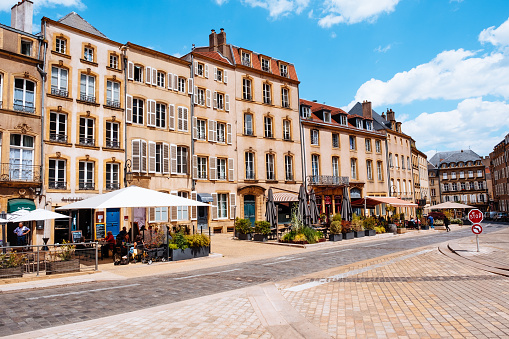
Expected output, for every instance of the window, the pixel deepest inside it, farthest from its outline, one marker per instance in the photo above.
(335, 140)
(112, 176)
(463, 186)
(288, 168)
(112, 130)
(181, 160)
(86, 175)
(368, 145)
(369, 169)
(138, 73)
(113, 94)
(56, 174)
(159, 214)
(462, 174)
(202, 167)
(396, 164)
(472, 186)
(403, 187)
(182, 118)
(269, 161)
(335, 167)
(342, 120)
(246, 89)
(315, 137)
(160, 79)
(479, 173)
(454, 186)
(160, 115)
(283, 70)
(60, 45)
(181, 82)
(353, 168)
(287, 130)
(137, 111)
(87, 88)
(305, 112)
(353, 145)
(201, 127)
(369, 125)
(265, 65)
(58, 127)
(1, 89)
(200, 96)
(248, 124)
(267, 122)
(59, 81)
(379, 171)
(88, 54)
(315, 165)
(246, 59)
(113, 61)
(390, 161)
(87, 131)
(284, 98)
(470, 174)
(222, 206)
(402, 162)
(358, 123)
(249, 158)
(220, 100)
(444, 176)
(219, 75)
(453, 175)
(26, 47)
(21, 155)
(199, 69)
(221, 169)
(24, 95)
(267, 90)
(183, 211)
(221, 132)
(433, 192)
(408, 163)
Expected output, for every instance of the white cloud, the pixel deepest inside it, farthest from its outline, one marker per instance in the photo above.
(278, 8)
(177, 55)
(354, 11)
(220, 2)
(6, 5)
(496, 36)
(381, 49)
(333, 35)
(474, 124)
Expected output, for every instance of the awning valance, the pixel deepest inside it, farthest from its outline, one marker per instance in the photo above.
(14, 205)
(373, 201)
(285, 197)
(205, 197)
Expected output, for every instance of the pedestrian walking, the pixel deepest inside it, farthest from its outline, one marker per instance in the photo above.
(446, 223)
(430, 220)
(21, 231)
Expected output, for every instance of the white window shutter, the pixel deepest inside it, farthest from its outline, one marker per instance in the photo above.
(180, 119)
(173, 209)
(154, 76)
(195, 95)
(194, 209)
(233, 203)
(170, 81)
(231, 170)
(211, 131)
(206, 71)
(212, 167)
(195, 167)
(166, 158)
(209, 99)
(148, 73)
(190, 86)
(175, 82)
(185, 119)
(215, 131)
(136, 155)
(151, 157)
(213, 207)
(150, 114)
(171, 117)
(229, 134)
(130, 70)
(215, 73)
(173, 159)
(225, 76)
(143, 156)
(195, 128)
(196, 68)
(129, 109)
(215, 99)
(227, 102)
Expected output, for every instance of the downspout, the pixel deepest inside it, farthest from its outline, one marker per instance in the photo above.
(302, 146)
(439, 185)
(388, 166)
(42, 71)
(191, 104)
(124, 53)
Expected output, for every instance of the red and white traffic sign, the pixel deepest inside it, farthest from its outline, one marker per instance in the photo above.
(476, 229)
(475, 216)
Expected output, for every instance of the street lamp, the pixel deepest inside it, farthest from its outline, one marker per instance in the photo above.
(128, 174)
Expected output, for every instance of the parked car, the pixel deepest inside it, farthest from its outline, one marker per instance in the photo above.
(490, 215)
(500, 216)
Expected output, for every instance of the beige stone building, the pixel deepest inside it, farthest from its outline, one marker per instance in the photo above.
(420, 176)
(21, 88)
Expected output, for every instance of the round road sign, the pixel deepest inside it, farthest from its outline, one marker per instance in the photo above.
(475, 216)
(476, 229)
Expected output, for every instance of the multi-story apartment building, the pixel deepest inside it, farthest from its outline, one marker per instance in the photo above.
(486, 161)
(420, 176)
(500, 175)
(462, 178)
(21, 88)
(434, 184)
(341, 150)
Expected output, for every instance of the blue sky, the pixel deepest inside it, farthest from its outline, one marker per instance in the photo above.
(441, 65)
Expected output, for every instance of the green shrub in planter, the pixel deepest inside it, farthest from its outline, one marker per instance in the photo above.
(380, 229)
(262, 227)
(336, 217)
(369, 223)
(243, 226)
(198, 240)
(457, 221)
(335, 227)
(438, 222)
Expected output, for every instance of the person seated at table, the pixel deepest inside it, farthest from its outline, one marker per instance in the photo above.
(81, 245)
(122, 233)
(110, 244)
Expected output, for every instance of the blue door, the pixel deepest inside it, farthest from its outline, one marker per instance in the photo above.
(249, 208)
(113, 220)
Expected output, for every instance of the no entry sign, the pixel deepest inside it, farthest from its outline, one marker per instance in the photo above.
(475, 216)
(476, 229)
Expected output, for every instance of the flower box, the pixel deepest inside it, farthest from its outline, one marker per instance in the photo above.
(358, 234)
(247, 236)
(64, 266)
(348, 235)
(401, 230)
(369, 233)
(335, 237)
(189, 253)
(321, 240)
(260, 237)
(11, 272)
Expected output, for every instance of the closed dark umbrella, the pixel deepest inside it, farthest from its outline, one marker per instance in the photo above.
(270, 209)
(346, 206)
(303, 205)
(313, 207)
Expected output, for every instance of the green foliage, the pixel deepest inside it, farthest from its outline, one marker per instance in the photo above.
(357, 223)
(66, 251)
(369, 223)
(180, 240)
(172, 246)
(198, 240)
(380, 229)
(296, 221)
(457, 221)
(289, 237)
(300, 237)
(438, 222)
(346, 226)
(336, 217)
(335, 227)
(262, 227)
(9, 260)
(243, 226)
(448, 214)
(395, 216)
(390, 209)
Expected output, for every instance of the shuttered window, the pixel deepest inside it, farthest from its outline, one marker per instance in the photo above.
(183, 119)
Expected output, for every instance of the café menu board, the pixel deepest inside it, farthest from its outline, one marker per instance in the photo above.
(100, 231)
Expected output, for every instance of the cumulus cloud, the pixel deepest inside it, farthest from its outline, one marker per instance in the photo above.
(278, 8)
(465, 127)
(220, 2)
(6, 5)
(355, 11)
(496, 36)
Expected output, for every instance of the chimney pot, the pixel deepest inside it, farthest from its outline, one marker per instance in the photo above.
(22, 15)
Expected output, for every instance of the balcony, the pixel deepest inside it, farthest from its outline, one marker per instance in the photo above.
(87, 98)
(20, 173)
(58, 137)
(87, 186)
(327, 180)
(112, 103)
(111, 186)
(112, 143)
(57, 185)
(24, 109)
(59, 92)
(87, 141)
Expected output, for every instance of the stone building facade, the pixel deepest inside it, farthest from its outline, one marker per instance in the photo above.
(499, 168)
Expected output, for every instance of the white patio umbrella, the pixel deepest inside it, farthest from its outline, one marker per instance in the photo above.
(448, 205)
(132, 196)
(38, 214)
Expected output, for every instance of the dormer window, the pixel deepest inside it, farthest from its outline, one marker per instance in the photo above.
(26, 47)
(305, 112)
(342, 120)
(358, 123)
(283, 70)
(246, 59)
(265, 65)
(326, 117)
(369, 125)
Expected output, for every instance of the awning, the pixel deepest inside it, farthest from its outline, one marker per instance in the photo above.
(373, 201)
(14, 205)
(285, 197)
(205, 197)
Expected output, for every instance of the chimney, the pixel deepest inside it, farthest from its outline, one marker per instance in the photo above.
(366, 109)
(390, 115)
(221, 42)
(22, 16)
(383, 115)
(213, 41)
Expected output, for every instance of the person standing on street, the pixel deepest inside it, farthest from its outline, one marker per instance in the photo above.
(446, 223)
(430, 219)
(21, 231)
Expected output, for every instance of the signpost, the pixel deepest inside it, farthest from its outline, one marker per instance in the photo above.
(475, 216)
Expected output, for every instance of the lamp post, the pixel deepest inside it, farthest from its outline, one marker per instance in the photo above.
(128, 174)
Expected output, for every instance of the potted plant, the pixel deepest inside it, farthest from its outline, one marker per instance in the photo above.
(62, 260)
(11, 265)
(188, 246)
(400, 228)
(243, 229)
(347, 230)
(369, 226)
(335, 228)
(358, 230)
(261, 230)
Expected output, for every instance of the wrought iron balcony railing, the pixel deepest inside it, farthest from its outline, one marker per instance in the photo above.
(87, 185)
(112, 143)
(87, 98)
(57, 185)
(112, 186)
(328, 180)
(87, 141)
(20, 172)
(58, 137)
(113, 103)
(59, 92)
(25, 109)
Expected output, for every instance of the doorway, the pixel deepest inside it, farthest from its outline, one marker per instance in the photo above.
(250, 208)
(113, 220)
(203, 219)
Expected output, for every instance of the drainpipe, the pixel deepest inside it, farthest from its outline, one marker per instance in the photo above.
(388, 167)
(302, 146)
(191, 104)
(42, 71)
(123, 48)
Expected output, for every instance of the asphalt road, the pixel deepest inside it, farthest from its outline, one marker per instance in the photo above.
(35, 309)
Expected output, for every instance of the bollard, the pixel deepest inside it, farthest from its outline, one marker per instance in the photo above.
(38, 261)
(96, 255)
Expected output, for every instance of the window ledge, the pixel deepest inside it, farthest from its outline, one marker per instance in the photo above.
(113, 69)
(288, 140)
(87, 147)
(87, 191)
(95, 104)
(56, 143)
(49, 95)
(271, 181)
(58, 191)
(120, 109)
(251, 180)
(292, 182)
(61, 54)
(249, 135)
(112, 149)
(91, 63)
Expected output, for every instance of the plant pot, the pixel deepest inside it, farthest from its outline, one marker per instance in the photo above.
(247, 236)
(425, 227)
(189, 253)
(11, 272)
(335, 237)
(58, 267)
(321, 240)
(369, 233)
(260, 237)
(401, 230)
(349, 235)
(358, 234)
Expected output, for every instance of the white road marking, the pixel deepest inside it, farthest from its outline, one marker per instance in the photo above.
(200, 275)
(280, 261)
(372, 245)
(346, 249)
(81, 292)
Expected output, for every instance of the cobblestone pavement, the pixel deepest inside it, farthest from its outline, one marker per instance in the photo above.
(387, 288)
